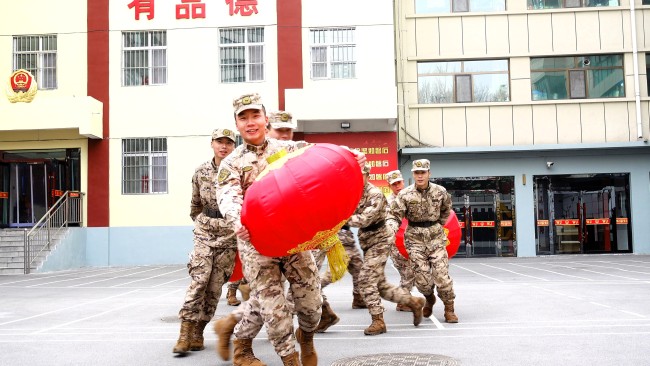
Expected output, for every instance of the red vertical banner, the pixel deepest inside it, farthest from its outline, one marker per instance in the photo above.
(380, 149)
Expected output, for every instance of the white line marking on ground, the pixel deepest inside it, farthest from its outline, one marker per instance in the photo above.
(148, 278)
(631, 313)
(600, 273)
(45, 276)
(599, 304)
(77, 278)
(557, 273)
(112, 278)
(147, 299)
(517, 273)
(479, 274)
(68, 308)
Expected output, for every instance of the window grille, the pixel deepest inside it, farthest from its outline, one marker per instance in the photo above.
(241, 54)
(144, 58)
(144, 165)
(37, 54)
(333, 53)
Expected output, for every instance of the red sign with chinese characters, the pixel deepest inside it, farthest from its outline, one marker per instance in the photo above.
(621, 220)
(482, 223)
(380, 149)
(242, 7)
(603, 221)
(143, 7)
(190, 8)
(4, 195)
(542, 222)
(566, 222)
(506, 223)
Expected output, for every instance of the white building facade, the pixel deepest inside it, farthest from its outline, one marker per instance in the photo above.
(135, 89)
(534, 114)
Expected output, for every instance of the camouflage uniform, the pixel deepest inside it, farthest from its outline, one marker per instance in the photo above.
(403, 266)
(375, 239)
(215, 246)
(354, 266)
(236, 174)
(425, 243)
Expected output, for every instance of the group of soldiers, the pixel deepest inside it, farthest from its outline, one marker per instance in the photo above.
(218, 190)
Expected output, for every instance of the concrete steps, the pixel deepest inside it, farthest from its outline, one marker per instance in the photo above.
(12, 248)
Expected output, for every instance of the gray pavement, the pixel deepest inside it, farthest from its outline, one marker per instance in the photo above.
(560, 310)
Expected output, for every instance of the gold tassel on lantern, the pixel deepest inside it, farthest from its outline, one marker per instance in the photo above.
(328, 240)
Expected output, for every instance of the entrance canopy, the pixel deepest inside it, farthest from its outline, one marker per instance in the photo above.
(83, 113)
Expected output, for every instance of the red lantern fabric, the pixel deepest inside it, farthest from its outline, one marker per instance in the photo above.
(238, 271)
(452, 229)
(301, 201)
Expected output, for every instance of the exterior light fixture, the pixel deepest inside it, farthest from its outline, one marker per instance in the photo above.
(345, 124)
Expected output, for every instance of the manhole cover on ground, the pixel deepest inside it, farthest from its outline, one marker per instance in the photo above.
(397, 359)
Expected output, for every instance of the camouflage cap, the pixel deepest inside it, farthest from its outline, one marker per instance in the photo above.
(394, 176)
(366, 169)
(281, 119)
(247, 101)
(421, 164)
(223, 132)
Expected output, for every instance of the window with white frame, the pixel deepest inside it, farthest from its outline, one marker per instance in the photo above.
(469, 81)
(557, 4)
(144, 58)
(333, 53)
(241, 54)
(459, 6)
(144, 165)
(37, 54)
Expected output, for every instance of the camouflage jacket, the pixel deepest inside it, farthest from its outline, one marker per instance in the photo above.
(215, 231)
(238, 171)
(371, 209)
(430, 204)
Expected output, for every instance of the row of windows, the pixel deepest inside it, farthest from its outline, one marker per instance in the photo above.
(241, 56)
(462, 6)
(595, 76)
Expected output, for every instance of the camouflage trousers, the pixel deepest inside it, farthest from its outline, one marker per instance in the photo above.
(209, 269)
(235, 285)
(427, 254)
(354, 266)
(372, 279)
(268, 302)
(403, 267)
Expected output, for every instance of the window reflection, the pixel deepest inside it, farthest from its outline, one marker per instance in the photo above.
(457, 6)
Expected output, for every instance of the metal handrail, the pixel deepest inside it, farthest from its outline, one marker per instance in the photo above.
(68, 209)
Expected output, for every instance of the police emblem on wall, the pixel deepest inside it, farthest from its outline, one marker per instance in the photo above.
(22, 87)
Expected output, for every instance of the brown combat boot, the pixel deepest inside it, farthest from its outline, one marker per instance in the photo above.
(401, 307)
(428, 307)
(196, 343)
(291, 360)
(450, 317)
(224, 328)
(377, 326)
(327, 318)
(416, 305)
(245, 290)
(183, 343)
(308, 355)
(244, 355)
(232, 297)
(358, 303)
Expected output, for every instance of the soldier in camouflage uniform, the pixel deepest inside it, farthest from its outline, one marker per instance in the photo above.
(328, 317)
(376, 238)
(281, 125)
(236, 174)
(403, 266)
(215, 246)
(426, 206)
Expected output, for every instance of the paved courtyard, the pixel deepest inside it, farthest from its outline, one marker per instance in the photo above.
(560, 310)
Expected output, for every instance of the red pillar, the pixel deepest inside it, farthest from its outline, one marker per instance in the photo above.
(289, 13)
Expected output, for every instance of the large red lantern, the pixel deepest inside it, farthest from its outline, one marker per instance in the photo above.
(301, 201)
(452, 229)
(237, 272)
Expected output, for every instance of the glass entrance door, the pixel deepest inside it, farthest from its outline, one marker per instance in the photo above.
(582, 214)
(28, 193)
(4, 195)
